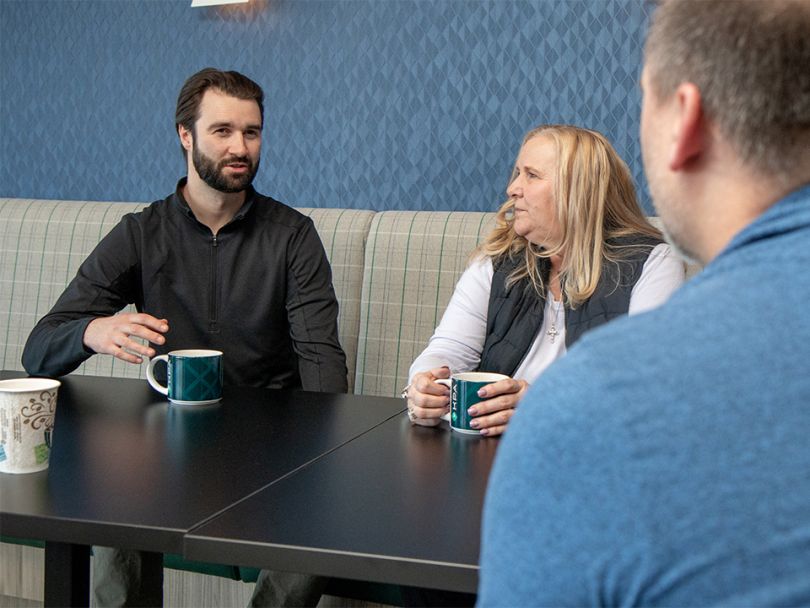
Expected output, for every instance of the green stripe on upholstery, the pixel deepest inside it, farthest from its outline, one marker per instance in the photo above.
(439, 274)
(102, 225)
(484, 219)
(402, 300)
(72, 236)
(42, 262)
(369, 272)
(334, 233)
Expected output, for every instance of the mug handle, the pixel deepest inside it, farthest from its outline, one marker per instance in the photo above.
(150, 376)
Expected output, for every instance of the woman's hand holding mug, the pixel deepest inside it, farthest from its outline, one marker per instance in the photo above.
(429, 398)
(493, 413)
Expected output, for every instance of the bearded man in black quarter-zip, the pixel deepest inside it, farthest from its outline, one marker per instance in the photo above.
(215, 265)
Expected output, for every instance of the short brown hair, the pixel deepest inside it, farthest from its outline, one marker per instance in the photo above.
(231, 83)
(750, 59)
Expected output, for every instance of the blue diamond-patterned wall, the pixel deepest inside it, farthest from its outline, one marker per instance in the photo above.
(377, 104)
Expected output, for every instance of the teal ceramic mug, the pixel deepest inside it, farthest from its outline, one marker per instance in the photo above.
(194, 376)
(464, 389)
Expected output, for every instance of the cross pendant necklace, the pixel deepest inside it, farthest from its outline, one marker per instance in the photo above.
(552, 331)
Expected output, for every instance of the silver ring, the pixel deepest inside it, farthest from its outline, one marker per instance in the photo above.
(411, 415)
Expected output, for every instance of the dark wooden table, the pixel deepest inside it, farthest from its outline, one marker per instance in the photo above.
(399, 504)
(129, 470)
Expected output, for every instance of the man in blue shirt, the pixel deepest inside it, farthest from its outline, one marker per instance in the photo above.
(664, 460)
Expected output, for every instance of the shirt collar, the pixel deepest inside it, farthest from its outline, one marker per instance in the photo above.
(182, 204)
(789, 213)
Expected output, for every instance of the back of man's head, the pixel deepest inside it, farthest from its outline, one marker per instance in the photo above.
(750, 59)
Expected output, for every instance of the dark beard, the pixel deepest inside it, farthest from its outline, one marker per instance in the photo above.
(212, 173)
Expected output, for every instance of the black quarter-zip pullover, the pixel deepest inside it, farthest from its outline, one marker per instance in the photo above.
(260, 291)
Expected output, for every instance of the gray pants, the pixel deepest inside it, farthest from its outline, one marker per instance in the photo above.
(127, 578)
(123, 577)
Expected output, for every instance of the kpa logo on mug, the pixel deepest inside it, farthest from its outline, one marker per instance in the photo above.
(454, 416)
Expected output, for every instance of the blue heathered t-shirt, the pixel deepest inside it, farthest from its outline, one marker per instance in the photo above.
(665, 460)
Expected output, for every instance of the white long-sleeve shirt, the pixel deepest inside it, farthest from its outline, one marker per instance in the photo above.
(459, 339)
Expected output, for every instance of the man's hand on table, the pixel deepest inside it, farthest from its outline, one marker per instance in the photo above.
(113, 335)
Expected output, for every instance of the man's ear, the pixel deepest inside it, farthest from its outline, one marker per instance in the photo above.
(690, 136)
(186, 138)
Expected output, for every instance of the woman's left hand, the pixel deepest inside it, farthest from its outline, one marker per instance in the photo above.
(500, 400)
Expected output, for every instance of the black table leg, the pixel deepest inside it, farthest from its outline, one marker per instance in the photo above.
(67, 574)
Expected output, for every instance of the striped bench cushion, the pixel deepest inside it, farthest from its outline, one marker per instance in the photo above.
(42, 244)
(344, 232)
(413, 261)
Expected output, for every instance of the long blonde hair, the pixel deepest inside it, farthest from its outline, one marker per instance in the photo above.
(595, 204)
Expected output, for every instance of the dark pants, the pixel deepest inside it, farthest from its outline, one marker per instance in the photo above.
(123, 577)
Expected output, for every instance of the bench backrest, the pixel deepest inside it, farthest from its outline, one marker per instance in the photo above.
(413, 261)
(42, 244)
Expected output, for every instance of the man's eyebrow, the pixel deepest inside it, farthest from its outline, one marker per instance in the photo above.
(224, 123)
(217, 125)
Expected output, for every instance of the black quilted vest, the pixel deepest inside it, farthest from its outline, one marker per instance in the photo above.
(515, 315)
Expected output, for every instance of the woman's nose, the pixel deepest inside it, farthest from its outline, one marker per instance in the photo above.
(514, 189)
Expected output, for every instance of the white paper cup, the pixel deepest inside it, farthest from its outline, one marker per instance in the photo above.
(27, 408)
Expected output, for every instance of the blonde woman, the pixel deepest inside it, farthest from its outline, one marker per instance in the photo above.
(571, 250)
